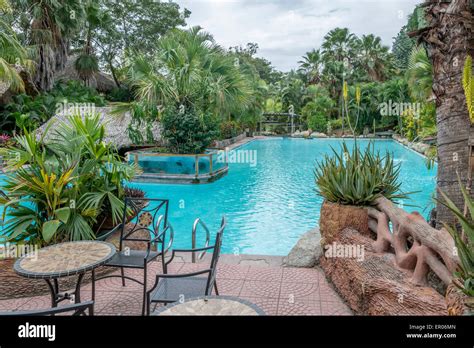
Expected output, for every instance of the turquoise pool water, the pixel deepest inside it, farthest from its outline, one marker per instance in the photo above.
(271, 203)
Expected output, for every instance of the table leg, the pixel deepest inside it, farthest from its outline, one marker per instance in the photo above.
(54, 292)
(77, 291)
(93, 284)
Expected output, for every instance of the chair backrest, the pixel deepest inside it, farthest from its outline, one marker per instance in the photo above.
(143, 215)
(77, 309)
(216, 254)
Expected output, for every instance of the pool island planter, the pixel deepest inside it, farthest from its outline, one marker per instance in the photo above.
(170, 168)
(404, 264)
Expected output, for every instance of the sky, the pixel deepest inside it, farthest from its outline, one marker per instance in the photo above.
(286, 29)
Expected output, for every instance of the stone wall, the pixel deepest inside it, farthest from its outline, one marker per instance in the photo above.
(415, 146)
(221, 144)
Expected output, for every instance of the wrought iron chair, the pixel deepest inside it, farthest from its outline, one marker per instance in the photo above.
(147, 220)
(77, 309)
(170, 288)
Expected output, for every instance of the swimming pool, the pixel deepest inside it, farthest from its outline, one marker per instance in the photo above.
(269, 203)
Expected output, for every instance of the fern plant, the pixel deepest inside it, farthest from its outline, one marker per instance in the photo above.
(468, 85)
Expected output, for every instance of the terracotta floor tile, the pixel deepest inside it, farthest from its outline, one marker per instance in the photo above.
(268, 305)
(300, 291)
(252, 288)
(265, 274)
(334, 308)
(299, 307)
(123, 303)
(301, 275)
(13, 304)
(237, 272)
(229, 287)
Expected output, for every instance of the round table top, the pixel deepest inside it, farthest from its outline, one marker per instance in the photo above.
(211, 305)
(64, 259)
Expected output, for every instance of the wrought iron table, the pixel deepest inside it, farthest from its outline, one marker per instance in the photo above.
(63, 260)
(211, 305)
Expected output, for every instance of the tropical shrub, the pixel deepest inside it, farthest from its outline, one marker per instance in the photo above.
(335, 124)
(186, 131)
(229, 129)
(465, 244)
(122, 94)
(62, 183)
(26, 112)
(317, 111)
(357, 177)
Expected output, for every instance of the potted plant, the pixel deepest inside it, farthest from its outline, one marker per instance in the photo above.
(349, 181)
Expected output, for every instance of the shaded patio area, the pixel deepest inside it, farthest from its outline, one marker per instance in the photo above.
(262, 280)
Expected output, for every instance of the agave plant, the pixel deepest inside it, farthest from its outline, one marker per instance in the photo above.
(63, 183)
(358, 177)
(464, 242)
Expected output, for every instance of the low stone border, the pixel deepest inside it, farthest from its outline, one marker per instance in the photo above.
(418, 147)
(220, 144)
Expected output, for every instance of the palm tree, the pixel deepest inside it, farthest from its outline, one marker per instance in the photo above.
(374, 58)
(420, 74)
(190, 70)
(11, 54)
(311, 66)
(339, 44)
(52, 24)
(450, 25)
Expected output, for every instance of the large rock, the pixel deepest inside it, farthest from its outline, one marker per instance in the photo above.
(318, 135)
(116, 125)
(306, 252)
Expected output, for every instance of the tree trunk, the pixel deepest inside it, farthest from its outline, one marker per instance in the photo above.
(52, 56)
(114, 75)
(449, 39)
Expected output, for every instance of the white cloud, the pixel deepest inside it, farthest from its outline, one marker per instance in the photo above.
(286, 29)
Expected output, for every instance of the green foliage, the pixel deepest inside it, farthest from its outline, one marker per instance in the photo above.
(120, 94)
(419, 74)
(59, 187)
(12, 53)
(187, 131)
(229, 129)
(317, 111)
(358, 177)
(26, 112)
(468, 86)
(465, 247)
(403, 45)
(86, 66)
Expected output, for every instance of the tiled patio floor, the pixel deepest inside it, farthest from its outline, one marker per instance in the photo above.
(275, 289)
